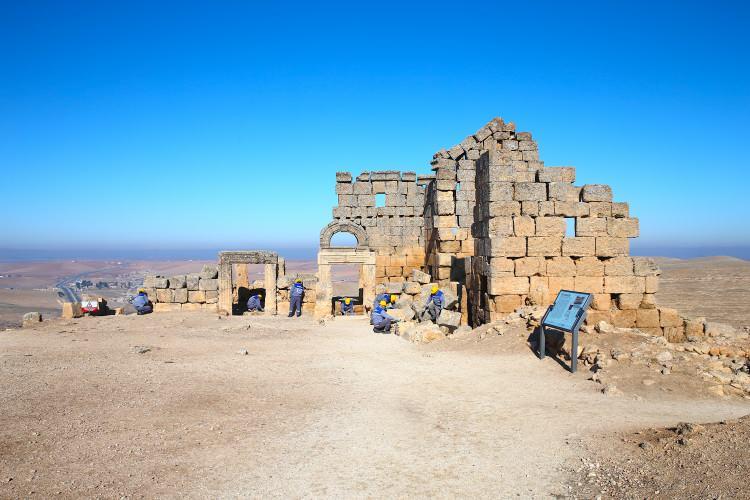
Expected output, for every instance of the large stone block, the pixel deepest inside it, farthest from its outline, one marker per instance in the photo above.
(523, 226)
(499, 191)
(530, 191)
(344, 188)
(362, 188)
(504, 208)
(209, 271)
(343, 177)
(196, 296)
(628, 301)
(167, 307)
(589, 284)
(208, 284)
(71, 310)
(560, 266)
(155, 282)
(580, 246)
(624, 284)
(420, 277)
(507, 247)
(624, 319)
(502, 285)
(530, 266)
(618, 266)
(550, 226)
(647, 318)
(669, 317)
(596, 192)
(620, 209)
(544, 246)
(178, 281)
(563, 191)
(499, 266)
(180, 295)
(589, 266)
(192, 280)
(571, 209)
(645, 266)
(591, 226)
(622, 227)
(449, 319)
(612, 247)
(165, 295)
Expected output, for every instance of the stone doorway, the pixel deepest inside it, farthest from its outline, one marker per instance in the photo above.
(227, 260)
(329, 257)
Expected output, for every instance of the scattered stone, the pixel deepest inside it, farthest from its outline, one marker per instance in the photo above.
(243, 352)
(140, 349)
(604, 327)
(664, 357)
(71, 310)
(31, 319)
(611, 390)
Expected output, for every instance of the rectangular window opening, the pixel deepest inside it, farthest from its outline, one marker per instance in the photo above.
(570, 227)
(380, 200)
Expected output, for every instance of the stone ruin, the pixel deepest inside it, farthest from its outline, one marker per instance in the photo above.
(491, 224)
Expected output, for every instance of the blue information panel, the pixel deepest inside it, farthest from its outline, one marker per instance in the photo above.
(568, 309)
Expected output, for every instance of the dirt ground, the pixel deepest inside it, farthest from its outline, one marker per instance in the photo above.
(169, 405)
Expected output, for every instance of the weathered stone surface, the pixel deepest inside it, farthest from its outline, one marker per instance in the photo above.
(192, 280)
(669, 317)
(591, 226)
(196, 296)
(549, 246)
(647, 318)
(209, 271)
(208, 284)
(645, 266)
(612, 247)
(561, 266)
(167, 307)
(177, 281)
(31, 319)
(420, 277)
(529, 266)
(596, 192)
(180, 295)
(450, 319)
(71, 310)
(622, 227)
(165, 295)
(155, 282)
(579, 246)
(530, 191)
(411, 287)
(508, 285)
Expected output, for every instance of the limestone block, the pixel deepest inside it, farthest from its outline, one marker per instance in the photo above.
(445, 174)
(620, 209)
(600, 301)
(624, 319)
(674, 334)
(450, 246)
(612, 247)
(196, 296)
(563, 191)
(411, 287)
(530, 266)
(628, 301)
(571, 209)
(192, 280)
(589, 266)
(365, 201)
(499, 191)
(557, 283)
(622, 227)
(544, 246)
(507, 247)
(499, 266)
(624, 284)
(510, 144)
(590, 284)
(594, 317)
(539, 290)
(560, 266)
(344, 188)
(208, 284)
(527, 146)
(445, 207)
(343, 177)
(581, 246)
(530, 191)
(694, 327)
(645, 266)
(591, 226)
(596, 192)
(647, 318)
(178, 281)
(652, 284)
(155, 282)
(341, 212)
(165, 295)
(508, 303)
(445, 185)
(518, 285)
(550, 226)
(394, 271)
(504, 208)
(556, 174)
(523, 226)
(362, 188)
(167, 307)
(530, 208)
(71, 310)
(445, 221)
(546, 208)
(187, 307)
(649, 301)
(618, 266)
(180, 295)
(209, 271)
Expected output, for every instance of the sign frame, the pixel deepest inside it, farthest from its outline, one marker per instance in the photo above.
(582, 301)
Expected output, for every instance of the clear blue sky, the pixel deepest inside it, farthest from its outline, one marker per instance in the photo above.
(221, 124)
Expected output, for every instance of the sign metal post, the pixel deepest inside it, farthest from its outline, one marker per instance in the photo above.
(566, 314)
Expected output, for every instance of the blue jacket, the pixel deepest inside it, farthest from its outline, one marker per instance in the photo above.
(383, 296)
(437, 299)
(253, 303)
(347, 307)
(140, 300)
(297, 290)
(379, 315)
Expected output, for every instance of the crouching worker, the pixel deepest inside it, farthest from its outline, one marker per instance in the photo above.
(295, 298)
(434, 305)
(381, 320)
(253, 304)
(347, 308)
(141, 303)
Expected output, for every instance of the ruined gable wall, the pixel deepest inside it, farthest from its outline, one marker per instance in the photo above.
(394, 231)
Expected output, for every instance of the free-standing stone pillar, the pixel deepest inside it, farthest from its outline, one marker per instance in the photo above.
(270, 286)
(324, 291)
(225, 288)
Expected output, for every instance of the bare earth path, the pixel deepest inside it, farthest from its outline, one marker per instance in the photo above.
(312, 410)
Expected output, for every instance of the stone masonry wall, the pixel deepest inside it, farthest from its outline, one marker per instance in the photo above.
(186, 292)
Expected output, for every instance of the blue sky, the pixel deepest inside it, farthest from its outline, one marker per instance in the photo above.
(221, 124)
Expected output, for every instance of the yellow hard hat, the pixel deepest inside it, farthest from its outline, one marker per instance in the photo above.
(298, 280)
(434, 288)
(394, 298)
(383, 303)
(348, 300)
(141, 290)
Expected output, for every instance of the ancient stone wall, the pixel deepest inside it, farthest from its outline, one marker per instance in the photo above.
(394, 231)
(186, 292)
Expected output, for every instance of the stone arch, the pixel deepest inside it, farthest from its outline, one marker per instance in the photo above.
(343, 227)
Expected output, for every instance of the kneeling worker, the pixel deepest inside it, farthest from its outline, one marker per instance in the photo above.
(434, 304)
(141, 303)
(381, 320)
(390, 300)
(347, 308)
(253, 303)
